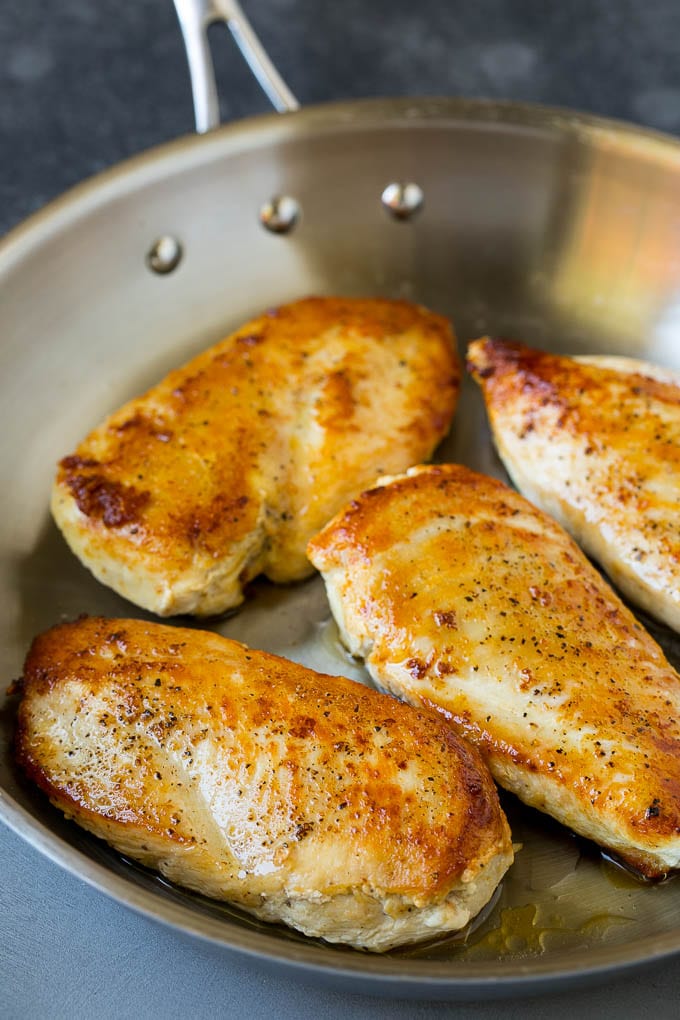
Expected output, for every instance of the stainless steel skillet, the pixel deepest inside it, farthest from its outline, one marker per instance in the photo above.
(561, 229)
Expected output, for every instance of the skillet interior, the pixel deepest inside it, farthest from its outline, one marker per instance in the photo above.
(558, 229)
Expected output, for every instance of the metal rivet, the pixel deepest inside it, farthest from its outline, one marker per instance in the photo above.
(164, 255)
(402, 199)
(280, 214)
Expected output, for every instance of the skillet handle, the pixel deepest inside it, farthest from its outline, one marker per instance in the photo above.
(195, 17)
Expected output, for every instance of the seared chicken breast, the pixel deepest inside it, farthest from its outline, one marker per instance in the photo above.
(228, 466)
(462, 596)
(595, 441)
(299, 797)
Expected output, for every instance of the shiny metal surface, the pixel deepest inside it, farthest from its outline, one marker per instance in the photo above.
(195, 17)
(280, 214)
(164, 254)
(559, 229)
(403, 199)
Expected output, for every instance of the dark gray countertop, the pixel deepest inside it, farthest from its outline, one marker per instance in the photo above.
(84, 84)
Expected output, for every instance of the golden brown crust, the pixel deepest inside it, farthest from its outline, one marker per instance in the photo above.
(250, 777)
(462, 596)
(595, 442)
(228, 466)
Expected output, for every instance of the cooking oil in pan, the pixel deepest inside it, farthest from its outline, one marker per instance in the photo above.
(560, 895)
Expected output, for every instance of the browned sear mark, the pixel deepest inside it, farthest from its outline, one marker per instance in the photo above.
(112, 503)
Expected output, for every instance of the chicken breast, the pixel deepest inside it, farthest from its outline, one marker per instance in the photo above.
(462, 596)
(596, 442)
(228, 466)
(299, 797)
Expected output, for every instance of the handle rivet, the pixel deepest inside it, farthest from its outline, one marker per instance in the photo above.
(280, 214)
(402, 199)
(164, 255)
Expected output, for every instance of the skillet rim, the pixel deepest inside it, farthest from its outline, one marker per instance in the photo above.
(321, 119)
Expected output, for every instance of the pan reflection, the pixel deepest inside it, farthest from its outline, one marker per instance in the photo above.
(618, 272)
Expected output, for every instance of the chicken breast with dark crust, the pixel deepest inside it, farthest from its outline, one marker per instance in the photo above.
(462, 596)
(595, 441)
(227, 467)
(299, 797)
